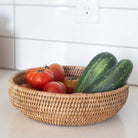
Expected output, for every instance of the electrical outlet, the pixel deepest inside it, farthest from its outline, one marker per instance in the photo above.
(88, 11)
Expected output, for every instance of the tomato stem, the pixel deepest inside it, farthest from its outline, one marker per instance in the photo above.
(39, 70)
(46, 67)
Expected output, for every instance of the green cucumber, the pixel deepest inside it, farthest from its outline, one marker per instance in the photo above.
(100, 64)
(115, 78)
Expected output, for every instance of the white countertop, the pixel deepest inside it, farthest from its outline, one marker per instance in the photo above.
(14, 124)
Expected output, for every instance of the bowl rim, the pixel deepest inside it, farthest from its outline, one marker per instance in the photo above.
(11, 80)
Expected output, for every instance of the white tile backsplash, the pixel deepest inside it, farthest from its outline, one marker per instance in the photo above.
(6, 21)
(47, 31)
(6, 1)
(116, 27)
(30, 24)
(7, 53)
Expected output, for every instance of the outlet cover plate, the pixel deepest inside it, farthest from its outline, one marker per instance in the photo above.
(87, 11)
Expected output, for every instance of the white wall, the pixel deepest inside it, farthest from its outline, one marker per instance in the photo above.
(45, 31)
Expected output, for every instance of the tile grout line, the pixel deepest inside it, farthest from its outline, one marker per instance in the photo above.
(117, 8)
(14, 35)
(60, 5)
(71, 42)
(67, 42)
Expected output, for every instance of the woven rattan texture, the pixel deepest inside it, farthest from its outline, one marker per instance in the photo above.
(65, 109)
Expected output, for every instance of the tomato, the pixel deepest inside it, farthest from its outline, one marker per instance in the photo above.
(55, 87)
(58, 71)
(27, 86)
(70, 84)
(38, 77)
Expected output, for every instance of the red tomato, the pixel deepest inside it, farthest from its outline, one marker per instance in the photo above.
(27, 86)
(55, 87)
(70, 84)
(58, 71)
(38, 77)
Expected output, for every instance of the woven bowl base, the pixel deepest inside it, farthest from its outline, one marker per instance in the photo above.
(65, 109)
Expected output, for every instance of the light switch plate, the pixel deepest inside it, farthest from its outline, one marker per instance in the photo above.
(87, 11)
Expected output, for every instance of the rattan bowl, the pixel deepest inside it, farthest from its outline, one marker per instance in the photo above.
(65, 109)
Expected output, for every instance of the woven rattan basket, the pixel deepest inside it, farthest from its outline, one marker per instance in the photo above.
(65, 109)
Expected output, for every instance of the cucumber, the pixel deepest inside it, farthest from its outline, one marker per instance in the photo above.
(116, 77)
(100, 64)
